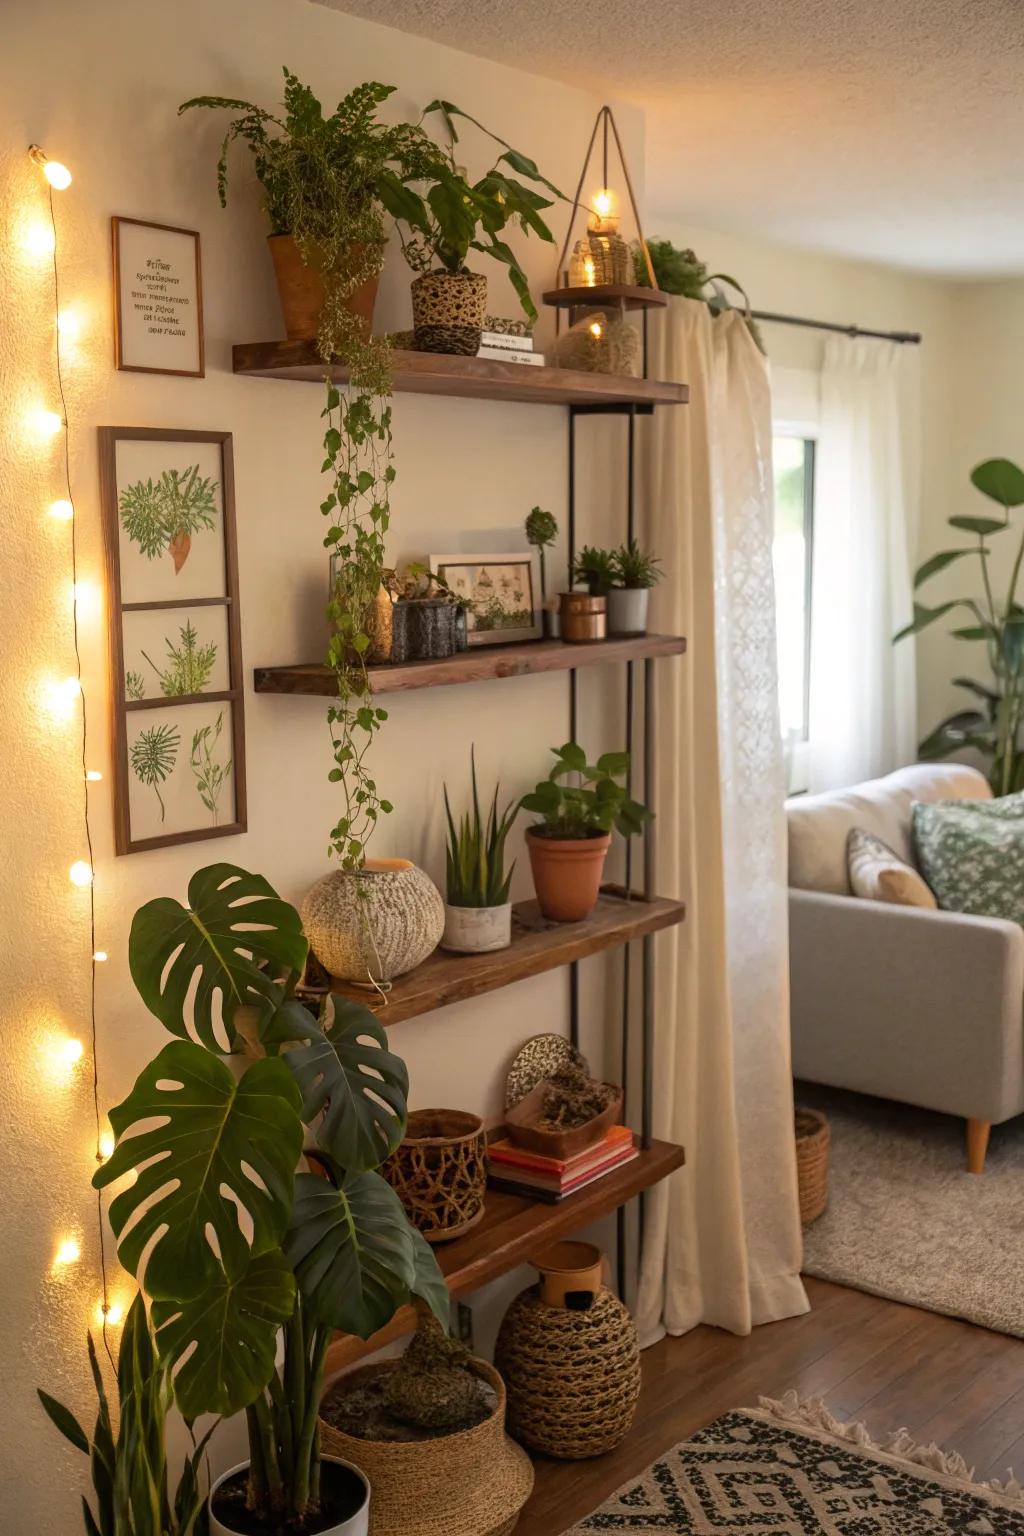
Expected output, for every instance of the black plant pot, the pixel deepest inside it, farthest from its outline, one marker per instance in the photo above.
(424, 629)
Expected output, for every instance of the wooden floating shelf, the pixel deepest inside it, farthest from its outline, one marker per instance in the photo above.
(478, 378)
(617, 295)
(477, 665)
(537, 946)
(512, 1230)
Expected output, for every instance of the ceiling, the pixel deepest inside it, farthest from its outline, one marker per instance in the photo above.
(891, 130)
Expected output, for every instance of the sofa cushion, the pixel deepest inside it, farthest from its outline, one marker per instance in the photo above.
(820, 824)
(878, 874)
(972, 855)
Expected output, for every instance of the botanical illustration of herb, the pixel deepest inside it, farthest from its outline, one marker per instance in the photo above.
(189, 664)
(210, 775)
(134, 685)
(161, 516)
(154, 754)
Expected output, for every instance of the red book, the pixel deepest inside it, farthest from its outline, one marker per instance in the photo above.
(551, 1196)
(533, 1179)
(506, 1151)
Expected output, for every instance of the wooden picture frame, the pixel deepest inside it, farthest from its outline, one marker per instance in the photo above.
(519, 572)
(148, 475)
(144, 315)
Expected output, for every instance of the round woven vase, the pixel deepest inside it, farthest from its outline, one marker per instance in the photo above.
(473, 1483)
(573, 1378)
(439, 1172)
(449, 310)
(374, 924)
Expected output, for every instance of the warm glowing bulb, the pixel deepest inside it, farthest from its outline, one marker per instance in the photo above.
(93, 775)
(105, 1148)
(57, 174)
(62, 696)
(68, 1253)
(109, 1314)
(80, 873)
(87, 598)
(595, 328)
(100, 955)
(62, 510)
(68, 325)
(588, 271)
(39, 239)
(71, 1051)
(47, 423)
(603, 202)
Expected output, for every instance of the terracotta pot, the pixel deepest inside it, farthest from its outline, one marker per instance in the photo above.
(301, 288)
(356, 1525)
(567, 873)
(571, 1275)
(583, 617)
(449, 310)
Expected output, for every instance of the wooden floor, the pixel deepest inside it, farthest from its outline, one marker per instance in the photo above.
(870, 1359)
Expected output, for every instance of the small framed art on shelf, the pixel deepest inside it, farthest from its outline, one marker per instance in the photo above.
(158, 298)
(175, 636)
(501, 594)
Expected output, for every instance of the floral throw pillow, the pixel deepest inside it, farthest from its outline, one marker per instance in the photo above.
(971, 852)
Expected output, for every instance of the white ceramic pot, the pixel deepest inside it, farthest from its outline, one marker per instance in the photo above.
(627, 610)
(374, 925)
(476, 930)
(357, 1524)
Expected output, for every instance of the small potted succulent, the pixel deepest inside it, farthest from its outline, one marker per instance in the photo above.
(452, 217)
(478, 913)
(634, 573)
(578, 806)
(541, 532)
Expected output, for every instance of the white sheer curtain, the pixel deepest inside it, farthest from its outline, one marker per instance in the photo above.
(863, 700)
(723, 1236)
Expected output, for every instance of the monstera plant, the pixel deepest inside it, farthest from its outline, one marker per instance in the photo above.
(231, 1244)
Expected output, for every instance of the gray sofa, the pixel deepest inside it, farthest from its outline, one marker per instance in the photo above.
(920, 1006)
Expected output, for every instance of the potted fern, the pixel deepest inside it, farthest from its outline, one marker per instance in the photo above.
(478, 913)
(317, 1251)
(634, 573)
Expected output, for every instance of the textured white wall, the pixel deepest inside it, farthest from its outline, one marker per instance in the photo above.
(98, 84)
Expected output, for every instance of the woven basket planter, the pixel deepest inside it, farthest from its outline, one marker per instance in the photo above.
(813, 1136)
(473, 1483)
(573, 1378)
(439, 1172)
(448, 312)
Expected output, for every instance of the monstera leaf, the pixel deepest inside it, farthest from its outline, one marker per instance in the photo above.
(352, 1251)
(428, 1282)
(212, 1132)
(236, 943)
(347, 1075)
(234, 1326)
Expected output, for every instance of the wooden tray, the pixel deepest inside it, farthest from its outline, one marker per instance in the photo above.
(521, 1124)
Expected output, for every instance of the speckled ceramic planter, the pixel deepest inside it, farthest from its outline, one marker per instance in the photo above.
(376, 924)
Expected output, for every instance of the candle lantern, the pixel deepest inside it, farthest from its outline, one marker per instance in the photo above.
(602, 258)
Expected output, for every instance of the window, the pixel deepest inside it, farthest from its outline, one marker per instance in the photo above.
(793, 464)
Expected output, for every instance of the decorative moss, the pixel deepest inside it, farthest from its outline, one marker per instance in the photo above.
(573, 1097)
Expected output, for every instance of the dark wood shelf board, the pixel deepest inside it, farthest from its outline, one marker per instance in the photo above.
(537, 946)
(626, 295)
(512, 1230)
(437, 373)
(478, 664)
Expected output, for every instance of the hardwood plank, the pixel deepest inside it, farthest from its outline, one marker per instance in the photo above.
(437, 373)
(538, 945)
(512, 1229)
(478, 664)
(628, 295)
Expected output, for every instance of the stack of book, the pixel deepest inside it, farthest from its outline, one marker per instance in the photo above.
(509, 349)
(551, 1179)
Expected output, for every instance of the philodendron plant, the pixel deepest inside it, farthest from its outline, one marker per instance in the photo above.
(993, 726)
(230, 1243)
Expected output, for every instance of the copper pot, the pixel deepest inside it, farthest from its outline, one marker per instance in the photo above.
(301, 289)
(583, 618)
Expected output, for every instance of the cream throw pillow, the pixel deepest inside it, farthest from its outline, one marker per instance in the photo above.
(878, 874)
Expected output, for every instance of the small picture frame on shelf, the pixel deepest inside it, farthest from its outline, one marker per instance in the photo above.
(175, 636)
(158, 298)
(501, 594)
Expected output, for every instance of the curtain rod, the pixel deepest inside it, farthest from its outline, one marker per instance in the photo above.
(906, 338)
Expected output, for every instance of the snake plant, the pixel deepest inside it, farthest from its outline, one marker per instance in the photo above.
(476, 852)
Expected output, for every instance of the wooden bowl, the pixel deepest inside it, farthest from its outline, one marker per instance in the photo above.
(522, 1123)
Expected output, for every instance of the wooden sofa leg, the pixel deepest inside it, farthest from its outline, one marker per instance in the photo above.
(977, 1144)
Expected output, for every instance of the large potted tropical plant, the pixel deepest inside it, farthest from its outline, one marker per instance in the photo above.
(239, 1252)
(439, 227)
(992, 727)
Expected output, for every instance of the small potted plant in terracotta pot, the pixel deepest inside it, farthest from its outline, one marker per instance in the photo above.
(453, 217)
(478, 913)
(579, 805)
(634, 573)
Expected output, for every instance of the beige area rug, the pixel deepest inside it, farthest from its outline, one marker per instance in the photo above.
(788, 1468)
(906, 1220)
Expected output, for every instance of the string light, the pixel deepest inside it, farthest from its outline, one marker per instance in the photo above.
(86, 596)
(80, 873)
(62, 510)
(100, 955)
(56, 173)
(93, 775)
(71, 1051)
(109, 1314)
(38, 239)
(69, 1252)
(105, 1147)
(596, 328)
(69, 325)
(47, 423)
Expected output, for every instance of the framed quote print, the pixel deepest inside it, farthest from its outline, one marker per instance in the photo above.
(175, 636)
(158, 298)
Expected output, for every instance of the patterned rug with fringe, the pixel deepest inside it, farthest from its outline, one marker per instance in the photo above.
(788, 1468)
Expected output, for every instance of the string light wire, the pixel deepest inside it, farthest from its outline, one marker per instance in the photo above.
(84, 717)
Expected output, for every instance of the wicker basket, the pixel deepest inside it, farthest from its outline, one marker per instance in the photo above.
(573, 1378)
(813, 1136)
(473, 1483)
(439, 1172)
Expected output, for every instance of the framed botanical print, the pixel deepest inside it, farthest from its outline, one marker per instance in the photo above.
(175, 636)
(158, 298)
(501, 594)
